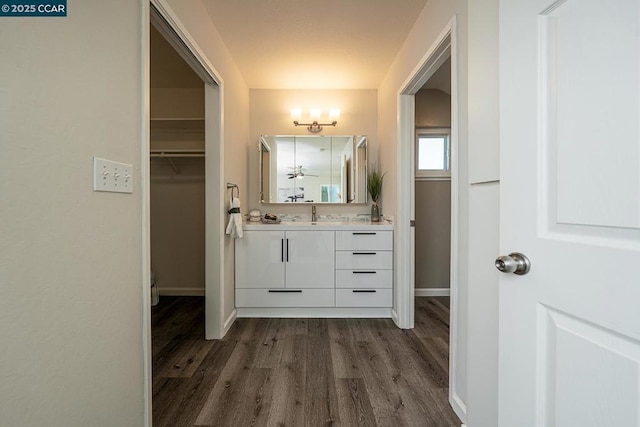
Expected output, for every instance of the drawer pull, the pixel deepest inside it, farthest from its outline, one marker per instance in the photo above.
(364, 253)
(364, 291)
(364, 272)
(360, 233)
(287, 291)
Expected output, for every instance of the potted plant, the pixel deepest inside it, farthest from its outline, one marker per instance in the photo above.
(374, 186)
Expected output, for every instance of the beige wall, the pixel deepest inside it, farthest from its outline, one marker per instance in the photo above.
(433, 234)
(433, 109)
(270, 115)
(432, 20)
(433, 201)
(71, 259)
(235, 125)
(177, 230)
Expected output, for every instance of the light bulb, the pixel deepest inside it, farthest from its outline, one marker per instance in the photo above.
(315, 113)
(296, 113)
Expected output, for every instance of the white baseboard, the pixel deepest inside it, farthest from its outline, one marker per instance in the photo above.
(394, 317)
(181, 292)
(309, 312)
(229, 322)
(433, 292)
(458, 406)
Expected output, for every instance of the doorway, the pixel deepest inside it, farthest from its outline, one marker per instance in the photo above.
(169, 26)
(444, 48)
(177, 171)
(174, 32)
(432, 193)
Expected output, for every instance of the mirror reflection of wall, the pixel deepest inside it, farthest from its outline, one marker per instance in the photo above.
(313, 169)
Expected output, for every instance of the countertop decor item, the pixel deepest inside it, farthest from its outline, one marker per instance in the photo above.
(374, 186)
(270, 218)
(255, 215)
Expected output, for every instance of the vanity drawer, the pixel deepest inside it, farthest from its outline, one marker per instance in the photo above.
(364, 260)
(283, 297)
(365, 239)
(364, 278)
(364, 298)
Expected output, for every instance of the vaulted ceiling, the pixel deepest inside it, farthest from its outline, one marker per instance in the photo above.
(313, 44)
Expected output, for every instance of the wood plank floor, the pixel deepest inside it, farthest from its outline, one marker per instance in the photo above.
(300, 372)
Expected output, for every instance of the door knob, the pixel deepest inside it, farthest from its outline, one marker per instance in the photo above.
(515, 262)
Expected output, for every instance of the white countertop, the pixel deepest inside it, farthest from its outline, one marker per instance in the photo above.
(319, 225)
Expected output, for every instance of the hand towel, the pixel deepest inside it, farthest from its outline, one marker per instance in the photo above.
(234, 228)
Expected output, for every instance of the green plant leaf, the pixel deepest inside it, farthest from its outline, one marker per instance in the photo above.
(374, 183)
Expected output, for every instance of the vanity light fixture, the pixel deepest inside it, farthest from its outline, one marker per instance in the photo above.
(314, 114)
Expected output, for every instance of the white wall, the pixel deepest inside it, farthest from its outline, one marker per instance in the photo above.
(270, 115)
(484, 173)
(71, 259)
(433, 18)
(235, 123)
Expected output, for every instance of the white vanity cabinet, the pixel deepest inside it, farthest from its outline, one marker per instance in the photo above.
(312, 270)
(285, 268)
(364, 268)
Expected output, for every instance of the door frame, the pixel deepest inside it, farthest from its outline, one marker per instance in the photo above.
(444, 46)
(186, 45)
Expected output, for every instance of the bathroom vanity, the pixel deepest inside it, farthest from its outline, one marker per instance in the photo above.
(321, 269)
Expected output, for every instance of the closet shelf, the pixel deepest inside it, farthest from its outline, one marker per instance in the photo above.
(173, 124)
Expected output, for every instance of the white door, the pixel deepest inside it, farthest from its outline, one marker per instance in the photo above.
(310, 259)
(570, 201)
(260, 259)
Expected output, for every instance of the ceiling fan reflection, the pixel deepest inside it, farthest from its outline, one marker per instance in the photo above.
(298, 173)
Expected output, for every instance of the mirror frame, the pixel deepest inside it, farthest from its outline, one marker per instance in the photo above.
(264, 147)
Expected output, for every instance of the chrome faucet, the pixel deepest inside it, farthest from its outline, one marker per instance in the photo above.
(314, 217)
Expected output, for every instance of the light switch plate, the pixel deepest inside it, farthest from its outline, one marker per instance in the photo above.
(112, 176)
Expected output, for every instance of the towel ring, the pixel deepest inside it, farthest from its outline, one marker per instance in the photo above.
(233, 187)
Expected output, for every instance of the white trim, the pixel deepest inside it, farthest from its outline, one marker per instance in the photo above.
(145, 143)
(229, 322)
(457, 404)
(310, 312)
(404, 242)
(433, 292)
(166, 12)
(181, 291)
(394, 317)
(445, 45)
(214, 220)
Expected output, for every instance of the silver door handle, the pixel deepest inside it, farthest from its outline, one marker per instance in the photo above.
(515, 262)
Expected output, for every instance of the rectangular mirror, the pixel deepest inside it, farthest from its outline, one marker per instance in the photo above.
(313, 169)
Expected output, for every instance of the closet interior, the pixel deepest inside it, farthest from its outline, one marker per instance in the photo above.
(177, 168)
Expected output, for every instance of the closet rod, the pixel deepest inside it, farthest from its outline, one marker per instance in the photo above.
(177, 153)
